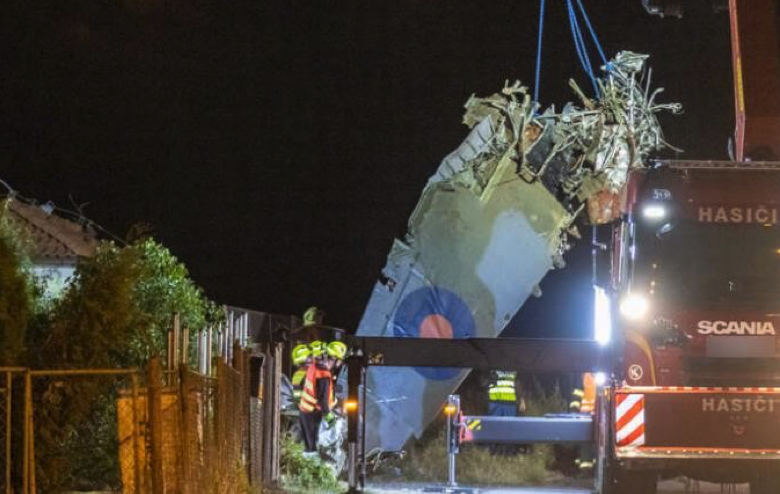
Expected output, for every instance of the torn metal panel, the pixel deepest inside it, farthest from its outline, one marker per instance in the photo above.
(492, 220)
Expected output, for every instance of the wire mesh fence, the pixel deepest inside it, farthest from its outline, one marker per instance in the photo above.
(80, 423)
(129, 431)
(206, 434)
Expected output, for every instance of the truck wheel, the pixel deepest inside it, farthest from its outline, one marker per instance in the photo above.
(767, 484)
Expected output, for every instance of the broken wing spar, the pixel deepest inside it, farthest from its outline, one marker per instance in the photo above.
(494, 218)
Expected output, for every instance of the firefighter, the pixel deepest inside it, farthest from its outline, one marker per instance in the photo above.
(584, 399)
(337, 350)
(502, 395)
(317, 397)
(301, 359)
(502, 402)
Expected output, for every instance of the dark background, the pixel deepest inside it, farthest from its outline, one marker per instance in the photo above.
(277, 147)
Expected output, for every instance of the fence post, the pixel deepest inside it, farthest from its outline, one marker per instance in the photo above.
(209, 349)
(155, 423)
(136, 436)
(271, 412)
(184, 440)
(26, 436)
(31, 436)
(185, 345)
(8, 418)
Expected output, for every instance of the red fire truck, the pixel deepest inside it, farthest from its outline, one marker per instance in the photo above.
(694, 273)
(689, 290)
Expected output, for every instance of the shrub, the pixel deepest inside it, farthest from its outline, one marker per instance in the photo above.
(118, 308)
(302, 474)
(115, 313)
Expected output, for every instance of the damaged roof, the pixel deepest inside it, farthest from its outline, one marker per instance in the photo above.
(54, 239)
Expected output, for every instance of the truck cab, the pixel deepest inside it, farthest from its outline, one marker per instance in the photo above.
(695, 315)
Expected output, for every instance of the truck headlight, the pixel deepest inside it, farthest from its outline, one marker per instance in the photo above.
(654, 212)
(602, 317)
(633, 306)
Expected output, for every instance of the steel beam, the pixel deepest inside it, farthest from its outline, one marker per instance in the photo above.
(558, 429)
(520, 354)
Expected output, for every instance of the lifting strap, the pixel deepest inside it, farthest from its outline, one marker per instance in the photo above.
(579, 44)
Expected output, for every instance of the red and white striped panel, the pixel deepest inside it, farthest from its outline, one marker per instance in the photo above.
(630, 420)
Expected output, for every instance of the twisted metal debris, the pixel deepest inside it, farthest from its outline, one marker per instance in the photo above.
(581, 151)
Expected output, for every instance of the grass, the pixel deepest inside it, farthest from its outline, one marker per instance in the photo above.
(305, 475)
(426, 460)
(476, 465)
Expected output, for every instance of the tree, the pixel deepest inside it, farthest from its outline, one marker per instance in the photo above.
(115, 313)
(17, 291)
(118, 308)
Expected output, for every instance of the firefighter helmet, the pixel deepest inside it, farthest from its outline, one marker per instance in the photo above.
(337, 350)
(300, 353)
(317, 348)
(312, 316)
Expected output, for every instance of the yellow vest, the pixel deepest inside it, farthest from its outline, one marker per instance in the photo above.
(502, 387)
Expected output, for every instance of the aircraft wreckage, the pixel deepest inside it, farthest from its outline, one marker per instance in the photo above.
(496, 216)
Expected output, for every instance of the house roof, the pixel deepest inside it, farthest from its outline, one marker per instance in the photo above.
(55, 240)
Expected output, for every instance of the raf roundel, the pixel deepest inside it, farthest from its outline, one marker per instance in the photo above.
(433, 312)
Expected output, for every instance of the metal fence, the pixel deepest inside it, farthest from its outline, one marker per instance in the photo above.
(132, 431)
(11, 402)
(77, 422)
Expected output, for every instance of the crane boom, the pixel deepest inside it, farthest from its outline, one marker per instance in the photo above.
(755, 58)
(756, 63)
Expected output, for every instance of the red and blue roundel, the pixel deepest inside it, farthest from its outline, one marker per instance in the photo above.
(433, 312)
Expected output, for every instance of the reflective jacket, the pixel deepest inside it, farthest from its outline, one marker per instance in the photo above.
(502, 386)
(584, 400)
(297, 382)
(317, 391)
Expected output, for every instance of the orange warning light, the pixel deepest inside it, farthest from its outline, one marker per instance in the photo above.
(350, 406)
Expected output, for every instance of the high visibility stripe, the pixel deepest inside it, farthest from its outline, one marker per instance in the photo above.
(685, 449)
(630, 420)
(698, 389)
(632, 412)
(298, 377)
(503, 389)
(502, 394)
(626, 402)
(636, 438)
(630, 427)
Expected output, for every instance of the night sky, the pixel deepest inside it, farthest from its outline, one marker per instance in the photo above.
(277, 147)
